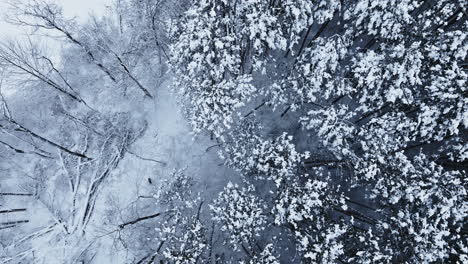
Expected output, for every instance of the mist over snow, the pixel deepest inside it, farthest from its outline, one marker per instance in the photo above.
(214, 131)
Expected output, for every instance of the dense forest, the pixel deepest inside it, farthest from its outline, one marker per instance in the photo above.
(235, 131)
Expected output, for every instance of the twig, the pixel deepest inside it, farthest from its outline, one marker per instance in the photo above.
(147, 159)
(121, 226)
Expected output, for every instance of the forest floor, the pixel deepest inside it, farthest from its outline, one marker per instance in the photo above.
(167, 145)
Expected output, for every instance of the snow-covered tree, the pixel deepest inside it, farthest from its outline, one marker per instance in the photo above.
(240, 214)
(378, 88)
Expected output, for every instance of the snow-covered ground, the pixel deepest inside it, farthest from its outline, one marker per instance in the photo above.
(166, 145)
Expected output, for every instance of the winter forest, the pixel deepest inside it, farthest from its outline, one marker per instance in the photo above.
(235, 131)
